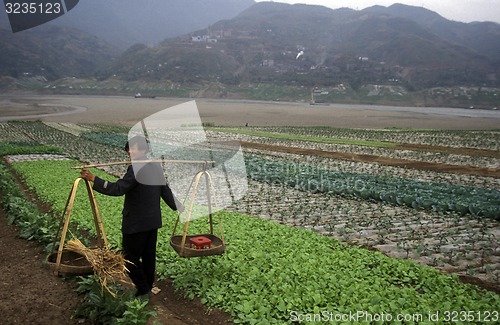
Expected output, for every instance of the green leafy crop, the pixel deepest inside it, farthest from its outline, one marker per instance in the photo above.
(272, 273)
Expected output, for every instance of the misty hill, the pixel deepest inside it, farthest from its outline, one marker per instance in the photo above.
(482, 37)
(316, 46)
(127, 22)
(52, 52)
(266, 43)
(95, 32)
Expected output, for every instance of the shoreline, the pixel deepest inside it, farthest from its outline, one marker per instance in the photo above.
(127, 110)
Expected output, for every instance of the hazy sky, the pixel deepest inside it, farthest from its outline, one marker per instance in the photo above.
(458, 10)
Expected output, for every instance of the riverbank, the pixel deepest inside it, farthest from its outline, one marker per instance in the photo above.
(127, 110)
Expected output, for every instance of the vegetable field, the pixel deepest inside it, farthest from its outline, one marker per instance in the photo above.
(315, 238)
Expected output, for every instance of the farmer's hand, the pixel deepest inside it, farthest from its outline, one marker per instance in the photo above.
(87, 175)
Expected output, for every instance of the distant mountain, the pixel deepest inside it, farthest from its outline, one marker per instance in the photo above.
(95, 32)
(52, 52)
(481, 37)
(127, 22)
(201, 42)
(313, 45)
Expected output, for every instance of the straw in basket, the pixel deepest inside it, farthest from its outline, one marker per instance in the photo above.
(109, 265)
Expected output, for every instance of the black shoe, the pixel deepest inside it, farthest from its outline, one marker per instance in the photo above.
(146, 295)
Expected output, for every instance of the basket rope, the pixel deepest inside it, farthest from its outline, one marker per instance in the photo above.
(181, 249)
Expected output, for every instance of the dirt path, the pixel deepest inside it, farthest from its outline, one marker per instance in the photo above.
(29, 293)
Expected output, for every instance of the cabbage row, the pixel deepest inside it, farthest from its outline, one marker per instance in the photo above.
(396, 191)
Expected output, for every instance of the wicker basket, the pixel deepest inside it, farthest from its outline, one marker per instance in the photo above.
(180, 243)
(72, 263)
(217, 247)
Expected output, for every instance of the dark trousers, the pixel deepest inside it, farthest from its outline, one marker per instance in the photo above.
(140, 250)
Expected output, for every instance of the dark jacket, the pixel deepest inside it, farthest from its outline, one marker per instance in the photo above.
(141, 208)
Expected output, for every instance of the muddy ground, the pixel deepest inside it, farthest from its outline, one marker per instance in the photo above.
(129, 110)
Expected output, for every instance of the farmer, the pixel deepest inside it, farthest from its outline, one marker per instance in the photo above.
(141, 211)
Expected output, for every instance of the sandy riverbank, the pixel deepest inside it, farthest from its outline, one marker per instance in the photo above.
(129, 110)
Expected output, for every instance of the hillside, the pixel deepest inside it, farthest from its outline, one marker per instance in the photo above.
(127, 22)
(52, 52)
(96, 32)
(316, 46)
(482, 37)
(274, 51)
